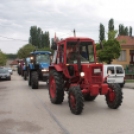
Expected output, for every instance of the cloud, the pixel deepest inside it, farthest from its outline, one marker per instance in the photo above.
(60, 16)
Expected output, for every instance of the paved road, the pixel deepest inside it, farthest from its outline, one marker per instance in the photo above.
(27, 111)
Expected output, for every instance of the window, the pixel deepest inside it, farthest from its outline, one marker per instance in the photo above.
(119, 70)
(110, 70)
(43, 58)
(122, 56)
(60, 54)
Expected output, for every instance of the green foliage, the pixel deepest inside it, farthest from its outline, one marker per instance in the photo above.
(125, 30)
(33, 36)
(111, 31)
(11, 56)
(38, 38)
(102, 32)
(25, 50)
(111, 25)
(112, 34)
(46, 49)
(3, 59)
(130, 31)
(111, 50)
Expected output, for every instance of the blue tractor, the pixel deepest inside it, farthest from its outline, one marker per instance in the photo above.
(38, 68)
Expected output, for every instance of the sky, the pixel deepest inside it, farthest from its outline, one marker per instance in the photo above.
(60, 17)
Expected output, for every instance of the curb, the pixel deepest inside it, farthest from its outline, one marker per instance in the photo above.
(129, 87)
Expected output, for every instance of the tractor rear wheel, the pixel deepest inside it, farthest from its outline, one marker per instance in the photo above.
(56, 90)
(34, 80)
(25, 75)
(76, 100)
(29, 79)
(89, 98)
(114, 96)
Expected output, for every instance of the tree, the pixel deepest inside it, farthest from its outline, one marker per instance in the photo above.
(33, 36)
(11, 56)
(111, 48)
(124, 30)
(112, 34)
(38, 38)
(24, 51)
(121, 29)
(130, 31)
(110, 51)
(102, 32)
(39, 34)
(46, 40)
(3, 59)
(111, 25)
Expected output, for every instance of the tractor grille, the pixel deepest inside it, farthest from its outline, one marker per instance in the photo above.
(97, 76)
(96, 79)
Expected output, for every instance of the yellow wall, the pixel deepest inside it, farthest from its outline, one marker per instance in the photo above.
(123, 63)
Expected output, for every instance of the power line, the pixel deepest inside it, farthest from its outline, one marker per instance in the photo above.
(13, 38)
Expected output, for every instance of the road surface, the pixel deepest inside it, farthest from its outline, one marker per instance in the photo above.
(27, 111)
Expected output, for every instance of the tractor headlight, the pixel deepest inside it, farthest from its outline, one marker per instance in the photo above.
(82, 74)
(44, 70)
(31, 58)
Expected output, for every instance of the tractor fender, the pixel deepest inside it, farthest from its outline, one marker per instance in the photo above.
(56, 67)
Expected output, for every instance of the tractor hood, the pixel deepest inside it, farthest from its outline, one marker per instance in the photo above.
(44, 65)
(93, 72)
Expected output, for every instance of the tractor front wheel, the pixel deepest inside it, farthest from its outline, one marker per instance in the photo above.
(114, 96)
(76, 100)
(25, 75)
(56, 90)
(34, 80)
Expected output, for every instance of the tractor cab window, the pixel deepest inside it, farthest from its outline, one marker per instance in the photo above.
(60, 54)
(91, 53)
(43, 58)
(85, 52)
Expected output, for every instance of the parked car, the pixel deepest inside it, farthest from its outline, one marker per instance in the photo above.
(9, 69)
(114, 73)
(5, 74)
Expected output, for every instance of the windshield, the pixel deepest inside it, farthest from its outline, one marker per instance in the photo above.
(3, 71)
(85, 53)
(43, 58)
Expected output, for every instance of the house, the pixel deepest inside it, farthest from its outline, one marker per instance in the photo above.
(127, 51)
(14, 64)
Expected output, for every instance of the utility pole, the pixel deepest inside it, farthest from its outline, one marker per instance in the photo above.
(74, 33)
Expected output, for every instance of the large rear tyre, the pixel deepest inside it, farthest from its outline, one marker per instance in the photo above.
(75, 99)
(56, 91)
(114, 96)
(29, 79)
(34, 80)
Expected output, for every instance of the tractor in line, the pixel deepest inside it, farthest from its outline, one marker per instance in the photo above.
(37, 68)
(74, 70)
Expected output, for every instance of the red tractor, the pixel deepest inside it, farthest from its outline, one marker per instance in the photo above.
(74, 69)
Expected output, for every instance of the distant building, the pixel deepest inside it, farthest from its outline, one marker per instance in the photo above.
(14, 64)
(127, 51)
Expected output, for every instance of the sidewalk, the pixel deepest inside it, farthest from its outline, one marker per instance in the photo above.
(129, 85)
